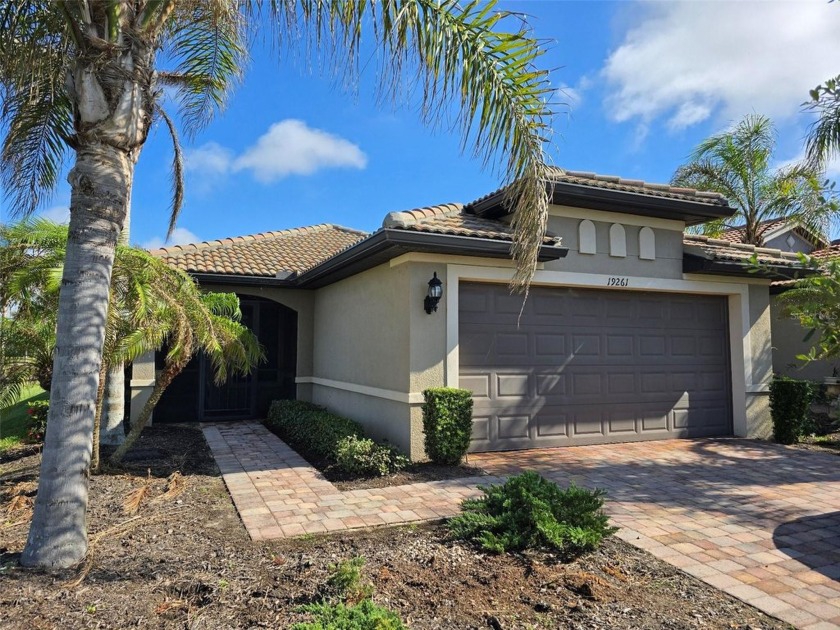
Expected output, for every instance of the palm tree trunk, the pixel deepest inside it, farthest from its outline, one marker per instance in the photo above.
(99, 181)
(163, 381)
(97, 418)
(113, 433)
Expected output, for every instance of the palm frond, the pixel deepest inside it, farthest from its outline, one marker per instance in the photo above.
(177, 172)
(207, 44)
(34, 57)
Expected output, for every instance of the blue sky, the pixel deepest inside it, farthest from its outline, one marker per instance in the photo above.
(644, 83)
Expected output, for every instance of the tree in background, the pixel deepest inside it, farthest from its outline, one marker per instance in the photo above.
(823, 142)
(738, 163)
(84, 76)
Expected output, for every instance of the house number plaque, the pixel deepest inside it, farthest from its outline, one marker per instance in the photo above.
(617, 282)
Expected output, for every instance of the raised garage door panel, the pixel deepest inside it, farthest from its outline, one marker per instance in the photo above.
(585, 366)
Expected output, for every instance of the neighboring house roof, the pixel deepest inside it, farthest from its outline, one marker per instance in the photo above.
(719, 249)
(770, 229)
(832, 252)
(450, 218)
(266, 254)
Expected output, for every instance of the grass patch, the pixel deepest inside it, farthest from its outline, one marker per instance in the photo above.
(14, 421)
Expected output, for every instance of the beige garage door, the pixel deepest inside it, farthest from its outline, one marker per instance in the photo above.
(584, 366)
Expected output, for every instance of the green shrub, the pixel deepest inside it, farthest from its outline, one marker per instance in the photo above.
(364, 616)
(314, 431)
(345, 581)
(310, 428)
(37, 427)
(363, 456)
(531, 512)
(790, 401)
(447, 424)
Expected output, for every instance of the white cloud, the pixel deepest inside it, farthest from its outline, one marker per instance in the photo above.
(291, 147)
(180, 236)
(59, 214)
(210, 158)
(687, 61)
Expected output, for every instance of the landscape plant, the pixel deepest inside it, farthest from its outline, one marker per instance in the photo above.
(530, 512)
(86, 77)
(447, 424)
(317, 433)
(790, 401)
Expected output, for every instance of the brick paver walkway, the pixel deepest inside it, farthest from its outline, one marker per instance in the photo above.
(759, 521)
(278, 494)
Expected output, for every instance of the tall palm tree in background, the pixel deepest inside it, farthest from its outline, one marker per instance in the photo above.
(738, 163)
(85, 76)
(823, 142)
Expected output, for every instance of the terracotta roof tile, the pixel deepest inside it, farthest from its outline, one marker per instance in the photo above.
(738, 252)
(736, 235)
(832, 252)
(265, 254)
(613, 182)
(450, 219)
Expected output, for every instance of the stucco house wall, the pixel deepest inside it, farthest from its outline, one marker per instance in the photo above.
(361, 352)
(788, 342)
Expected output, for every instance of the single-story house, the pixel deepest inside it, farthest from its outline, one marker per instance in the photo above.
(632, 330)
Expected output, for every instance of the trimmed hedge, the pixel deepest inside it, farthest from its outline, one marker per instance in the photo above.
(447, 424)
(790, 401)
(314, 431)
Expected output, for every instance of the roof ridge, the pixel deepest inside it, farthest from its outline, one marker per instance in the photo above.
(406, 218)
(177, 250)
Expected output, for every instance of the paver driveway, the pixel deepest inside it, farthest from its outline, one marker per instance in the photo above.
(759, 521)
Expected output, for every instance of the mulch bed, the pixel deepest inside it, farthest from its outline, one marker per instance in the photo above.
(415, 473)
(186, 562)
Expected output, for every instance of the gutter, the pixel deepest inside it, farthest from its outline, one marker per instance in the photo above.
(577, 195)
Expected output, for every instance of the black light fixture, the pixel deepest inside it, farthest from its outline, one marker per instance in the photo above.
(434, 294)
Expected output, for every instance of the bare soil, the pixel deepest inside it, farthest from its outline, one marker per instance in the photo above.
(185, 561)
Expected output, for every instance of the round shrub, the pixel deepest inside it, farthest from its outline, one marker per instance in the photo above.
(447, 424)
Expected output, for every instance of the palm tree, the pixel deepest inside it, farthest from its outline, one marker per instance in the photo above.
(823, 142)
(193, 322)
(738, 163)
(85, 76)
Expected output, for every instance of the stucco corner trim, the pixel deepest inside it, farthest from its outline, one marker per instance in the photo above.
(413, 398)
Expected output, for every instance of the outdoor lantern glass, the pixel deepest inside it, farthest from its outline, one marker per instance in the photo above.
(434, 294)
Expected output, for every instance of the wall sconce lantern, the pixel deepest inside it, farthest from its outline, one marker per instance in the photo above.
(434, 294)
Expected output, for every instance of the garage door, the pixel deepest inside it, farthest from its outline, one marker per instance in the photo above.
(584, 366)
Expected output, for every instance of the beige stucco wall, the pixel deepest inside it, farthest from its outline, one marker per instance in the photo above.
(759, 424)
(362, 352)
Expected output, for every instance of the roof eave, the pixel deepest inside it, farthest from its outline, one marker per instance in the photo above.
(591, 197)
(767, 271)
(388, 243)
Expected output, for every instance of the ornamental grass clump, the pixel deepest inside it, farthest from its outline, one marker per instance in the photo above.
(531, 512)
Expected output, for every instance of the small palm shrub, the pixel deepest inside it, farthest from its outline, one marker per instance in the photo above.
(447, 424)
(790, 401)
(531, 512)
(315, 432)
(37, 427)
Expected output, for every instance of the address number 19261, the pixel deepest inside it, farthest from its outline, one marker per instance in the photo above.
(617, 282)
